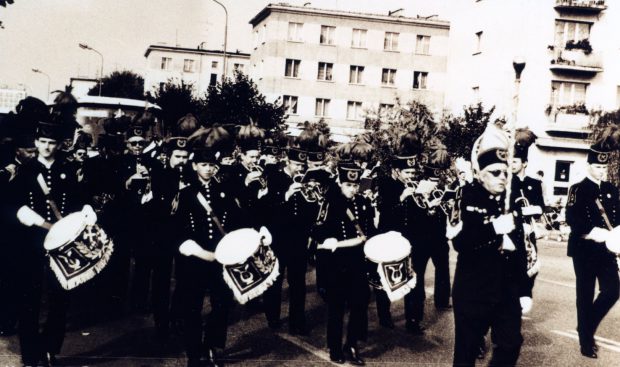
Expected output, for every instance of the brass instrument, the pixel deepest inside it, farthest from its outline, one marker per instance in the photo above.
(533, 264)
(311, 191)
(260, 178)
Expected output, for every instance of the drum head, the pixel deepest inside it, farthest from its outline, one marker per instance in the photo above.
(64, 231)
(390, 246)
(237, 246)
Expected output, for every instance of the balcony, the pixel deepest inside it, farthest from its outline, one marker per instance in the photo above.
(570, 121)
(583, 6)
(576, 62)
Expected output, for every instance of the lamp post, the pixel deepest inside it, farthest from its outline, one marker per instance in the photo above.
(518, 64)
(225, 38)
(48, 81)
(84, 46)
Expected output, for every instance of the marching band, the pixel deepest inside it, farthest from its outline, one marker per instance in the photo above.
(231, 212)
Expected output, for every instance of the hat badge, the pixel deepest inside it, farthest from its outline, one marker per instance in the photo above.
(303, 156)
(319, 156)
(274, 150)
(352, 175)
(603, 157)
(137, 131)
(502, 155)
(181, 143)
(411, 162)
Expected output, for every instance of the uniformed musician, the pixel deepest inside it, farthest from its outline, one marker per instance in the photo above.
(491, 288)
(341, 235)
(593, 208)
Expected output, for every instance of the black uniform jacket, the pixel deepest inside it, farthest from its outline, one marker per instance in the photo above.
(484, 273)
(582, 214)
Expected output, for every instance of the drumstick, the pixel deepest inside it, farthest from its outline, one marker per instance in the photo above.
(351, 242)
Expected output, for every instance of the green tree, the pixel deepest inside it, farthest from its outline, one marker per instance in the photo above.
(237, 101)
(462, 131)
(120, 84)
(176, 99)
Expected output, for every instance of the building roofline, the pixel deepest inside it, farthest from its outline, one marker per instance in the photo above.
(286, 8)
(192, 50)
(82, 79)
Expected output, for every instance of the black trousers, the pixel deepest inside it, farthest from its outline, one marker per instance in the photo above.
(589, 268)
(33, 343)
(196, 278)
(295, 267)
(162, 275)
(473, 319)
(347, 288)
(9, 288)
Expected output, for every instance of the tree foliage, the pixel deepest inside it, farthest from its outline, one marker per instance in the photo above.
(120, 84)
(238, 102)
(176, 99)
(462, 131)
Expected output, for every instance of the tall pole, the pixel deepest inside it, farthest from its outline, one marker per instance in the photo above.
(87, 47)
(38, 71)
(518, 65)
(225, 39)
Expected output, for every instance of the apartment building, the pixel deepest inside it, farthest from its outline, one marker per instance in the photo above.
(337, 65)
(570, 48)
(198, 66)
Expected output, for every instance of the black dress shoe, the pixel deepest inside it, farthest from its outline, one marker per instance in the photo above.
(352, 355)
(336, 357)
(415, 328)
(444, 307)
(588, 351)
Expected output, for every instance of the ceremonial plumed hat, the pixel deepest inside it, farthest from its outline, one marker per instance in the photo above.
(349, 172)
(297, 155)
(408, 149)
(524, 138)
(250, 137)
(598, 154)
(493, 147)
(210, 144)
(49, 130)
(437, 159)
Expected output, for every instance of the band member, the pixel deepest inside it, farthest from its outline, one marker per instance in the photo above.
(205, 212)
(527, 193)
(347, 224)
(292, 217)
(429, 236)
(592, 210)
(49, 187)
(399, 209)
(491, 288)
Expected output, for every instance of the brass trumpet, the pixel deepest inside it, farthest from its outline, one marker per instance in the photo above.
(311, 191)
(260, 178)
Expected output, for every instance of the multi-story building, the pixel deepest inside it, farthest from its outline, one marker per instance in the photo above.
(571, 52)
(9, 98)
(337, 65)
(198, 66)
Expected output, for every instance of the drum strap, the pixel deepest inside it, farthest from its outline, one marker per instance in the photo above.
(205, 204)
(46, 192)
(603, 214)
(355, 223)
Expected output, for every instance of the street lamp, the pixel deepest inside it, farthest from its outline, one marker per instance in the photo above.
(48, 82)
(225, 37)
(84, 46)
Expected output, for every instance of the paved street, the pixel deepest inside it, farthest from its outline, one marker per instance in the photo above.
(549, 331)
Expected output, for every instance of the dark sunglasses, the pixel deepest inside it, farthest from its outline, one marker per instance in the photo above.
(80, 154)
(498, 172)
(138, 143)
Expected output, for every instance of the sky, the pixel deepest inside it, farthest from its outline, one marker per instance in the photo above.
(44, 34)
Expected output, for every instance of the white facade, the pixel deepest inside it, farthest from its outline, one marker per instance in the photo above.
(81, 86)
(337, 65)
(197, 66)
(556, 84)
(9, 98)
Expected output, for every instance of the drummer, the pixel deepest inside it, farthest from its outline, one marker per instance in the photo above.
(349, 221)
(205, 211)
(48, 185)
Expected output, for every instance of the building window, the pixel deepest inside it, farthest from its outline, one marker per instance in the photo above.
(387, 76)
(423, 45)
(356, 74)
(568, 93)
(354, 111)
(322, 107)
(570, 31)
(214, 64)
(213, 79)
(188, 66)
(386, 107)
(390, 42)
(419, 79)
(562, 171)
(290, 104)
(327, 35)
(358, 38)
(478, 40)
(238, 68)
(166, 63)
(294, 31)
(560, 191)
(292, 68)
(325, 71)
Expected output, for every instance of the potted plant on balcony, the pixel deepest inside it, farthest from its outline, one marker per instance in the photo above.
(583, 45)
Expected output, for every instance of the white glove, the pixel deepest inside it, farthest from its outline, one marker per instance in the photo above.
(598, 234)
(189, 248)
(265, 236)
(330, 244)
(295, 187)
(526, 305)
(90, 217)
(29, 217)
(453, 231)
(408, 191)
(263, 192)
(503, 224)
(531, 210)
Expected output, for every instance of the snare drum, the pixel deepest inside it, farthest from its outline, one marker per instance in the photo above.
(389, 264)
(78, 248)
(249, 266)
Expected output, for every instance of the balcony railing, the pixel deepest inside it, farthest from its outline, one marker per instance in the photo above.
(576, 61)
(566, 121)
(590, 6)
